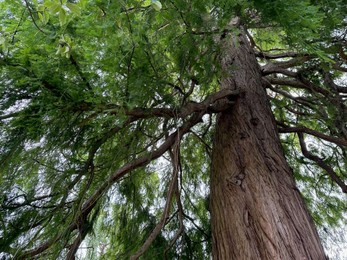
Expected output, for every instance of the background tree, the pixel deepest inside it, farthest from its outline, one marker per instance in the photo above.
(108, 115)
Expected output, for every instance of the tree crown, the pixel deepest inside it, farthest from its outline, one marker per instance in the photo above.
(94, 92)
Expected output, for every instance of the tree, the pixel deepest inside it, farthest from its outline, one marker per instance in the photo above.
(175, 129)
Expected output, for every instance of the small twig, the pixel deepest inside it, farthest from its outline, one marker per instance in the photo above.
(207, 236)
(137, 8)
(207, 146)
(79, 71)
(19, 23)
(190, 91)
(32, 17)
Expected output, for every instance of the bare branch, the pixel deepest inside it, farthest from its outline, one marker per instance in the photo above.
(207, 236)
(272, 70)
(339, 67)
(212, 104)
(302, 129)
(321, 163)
(286, 64)
(329, 81)
(304, 84)
(300, 100)
(270, 56)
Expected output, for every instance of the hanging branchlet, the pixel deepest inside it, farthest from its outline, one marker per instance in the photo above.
(174, 154)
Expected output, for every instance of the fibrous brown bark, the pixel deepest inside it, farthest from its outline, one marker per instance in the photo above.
(256, 210)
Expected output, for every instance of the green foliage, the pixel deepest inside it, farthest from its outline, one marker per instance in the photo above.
(70, 72)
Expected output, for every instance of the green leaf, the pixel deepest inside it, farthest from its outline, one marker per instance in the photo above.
(52, 7)
(44, 16)
(60, 50)
(3, 44)
(75, 9)
(156, 5)
(2, 40)
(75, 120)
(62, 17)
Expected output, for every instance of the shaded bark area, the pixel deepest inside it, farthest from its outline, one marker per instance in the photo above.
(256, 210)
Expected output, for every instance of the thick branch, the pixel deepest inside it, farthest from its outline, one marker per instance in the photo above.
(286, 64)
(91, 202)
(321, 163)
(271, 70)
(302, 129)
(329, 81)
(339, 67)
(74, 247)
(298, 84)
(212, 104)
(301, 100)
(271, 56)
(142, 161)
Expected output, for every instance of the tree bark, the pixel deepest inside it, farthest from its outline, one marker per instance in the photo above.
(256, 210)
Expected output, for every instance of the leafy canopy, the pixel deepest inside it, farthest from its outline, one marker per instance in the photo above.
(92, 92)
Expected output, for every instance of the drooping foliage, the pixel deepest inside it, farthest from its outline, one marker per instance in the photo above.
(107, 113)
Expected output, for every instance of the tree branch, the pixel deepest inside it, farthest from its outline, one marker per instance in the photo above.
(270, 70)
(32, 17)
(339, 67)
(321, 163)
(142, 161)
(286, 64)
(180, 218)
(79, 71)
(270, 56)
(92, 201)
(300, 100)
(330, 82)
(212, 104)
(9, 115)
(302, 84)
(207, 236)
(165, 215)
(302, 129)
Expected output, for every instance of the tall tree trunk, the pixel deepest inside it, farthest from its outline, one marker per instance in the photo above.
(256, 210)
